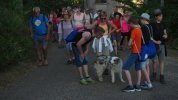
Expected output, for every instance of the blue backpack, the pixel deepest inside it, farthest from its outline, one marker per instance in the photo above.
(151, 45)
(71, 36)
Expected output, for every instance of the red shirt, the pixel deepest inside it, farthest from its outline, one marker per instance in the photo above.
(117, 24)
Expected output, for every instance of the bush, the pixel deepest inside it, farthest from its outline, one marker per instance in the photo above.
(14, 41)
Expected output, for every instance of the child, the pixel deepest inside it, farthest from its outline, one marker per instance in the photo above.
(147, 31)
(101, 43)
(135, 42)
(159, 38)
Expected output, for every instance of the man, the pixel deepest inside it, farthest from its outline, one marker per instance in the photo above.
(135, 42)
(159, 38)
(88, 18)
(39, 31)
(80, 47)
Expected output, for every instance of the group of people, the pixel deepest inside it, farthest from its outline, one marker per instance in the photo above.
(105, 35)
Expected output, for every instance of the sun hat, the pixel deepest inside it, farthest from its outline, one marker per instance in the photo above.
(145, 16)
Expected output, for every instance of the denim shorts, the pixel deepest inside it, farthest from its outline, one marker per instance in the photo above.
(79, 62)
(133, 59)
(116, 37)
(69, 46)
(144, 64)
(40, 41)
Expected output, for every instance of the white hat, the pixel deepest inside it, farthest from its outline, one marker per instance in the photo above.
(145, 16)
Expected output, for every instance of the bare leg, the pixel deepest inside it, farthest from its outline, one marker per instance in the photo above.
(86, 70)
(138, 77)
(127, 73)
(146, 75)
(81, 72)
(45, 53)
(161, 63)
(115, 47)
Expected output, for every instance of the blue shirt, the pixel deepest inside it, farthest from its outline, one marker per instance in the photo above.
(39, 24)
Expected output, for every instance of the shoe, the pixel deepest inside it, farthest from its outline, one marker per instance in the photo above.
(69, 62)
(90, 80)
(162, 80)
(83, 82)
(45, 63)
(153, 78)
(137, 88)
(128, 89)
(146, 87)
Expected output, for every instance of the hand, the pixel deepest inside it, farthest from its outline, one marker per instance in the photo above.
(158, 42)
(47, 37)
(82, 56)
(86, 52)
(165, 36)
(151, 39)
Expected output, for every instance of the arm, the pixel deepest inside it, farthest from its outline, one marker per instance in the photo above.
(130, 42)
(79, 45)
(87, 49)
(113, 26)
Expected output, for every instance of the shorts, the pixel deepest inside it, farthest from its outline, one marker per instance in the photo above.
(78, 61)
(125, 33)
(116, 37)
(160, 53)
(144, 64)
(69, 46)
(40, 41)
(133, 59)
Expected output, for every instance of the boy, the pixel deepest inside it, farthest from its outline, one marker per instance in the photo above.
(146, 32)
(135, 42)
(159, 38)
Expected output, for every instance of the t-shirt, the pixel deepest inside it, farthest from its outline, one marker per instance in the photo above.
(88, 18)
(158, 31)
(67, 27)
(78, 20)
(136, 36)
(117, 24)
(105, 27)
(125, 26)
(39, 24)
(146, 33)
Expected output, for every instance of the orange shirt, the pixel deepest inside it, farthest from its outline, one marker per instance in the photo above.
(136, 35)
(105, 27)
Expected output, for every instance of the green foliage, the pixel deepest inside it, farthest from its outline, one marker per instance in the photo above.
(14, 41)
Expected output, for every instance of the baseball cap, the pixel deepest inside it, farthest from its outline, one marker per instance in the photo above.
(145, 16)
(157, 12)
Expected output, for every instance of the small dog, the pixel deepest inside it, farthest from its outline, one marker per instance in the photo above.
(114, 64)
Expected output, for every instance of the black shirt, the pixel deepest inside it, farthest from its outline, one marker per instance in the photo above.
(147, 32)
(158, 31)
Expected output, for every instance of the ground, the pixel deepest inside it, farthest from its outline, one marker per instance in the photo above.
(59, 81)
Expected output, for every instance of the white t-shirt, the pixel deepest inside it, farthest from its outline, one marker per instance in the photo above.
(78, 20)
(88, 18)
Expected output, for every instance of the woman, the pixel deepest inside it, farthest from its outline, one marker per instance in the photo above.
(78, 19)
(116, 35)
(64, 28)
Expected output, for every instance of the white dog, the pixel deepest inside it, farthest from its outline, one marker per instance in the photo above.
(114, 64)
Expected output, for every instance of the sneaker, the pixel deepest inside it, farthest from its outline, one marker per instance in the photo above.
(137, 88)
(162, 80)
(69, 62)
(146, 87)
(128, 89)
(83, 82)
(90, 80)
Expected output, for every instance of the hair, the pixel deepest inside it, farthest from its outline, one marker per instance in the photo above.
(103, 13)
(36, 9)
(117, 13)
(134, 20)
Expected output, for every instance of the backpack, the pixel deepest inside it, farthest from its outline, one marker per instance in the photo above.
(71, 36)
(151, 45)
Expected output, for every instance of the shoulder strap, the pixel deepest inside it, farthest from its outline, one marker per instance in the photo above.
(62, 27)
(150, 31)
(71, 24)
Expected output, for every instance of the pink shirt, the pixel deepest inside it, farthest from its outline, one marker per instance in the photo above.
(125, 27)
